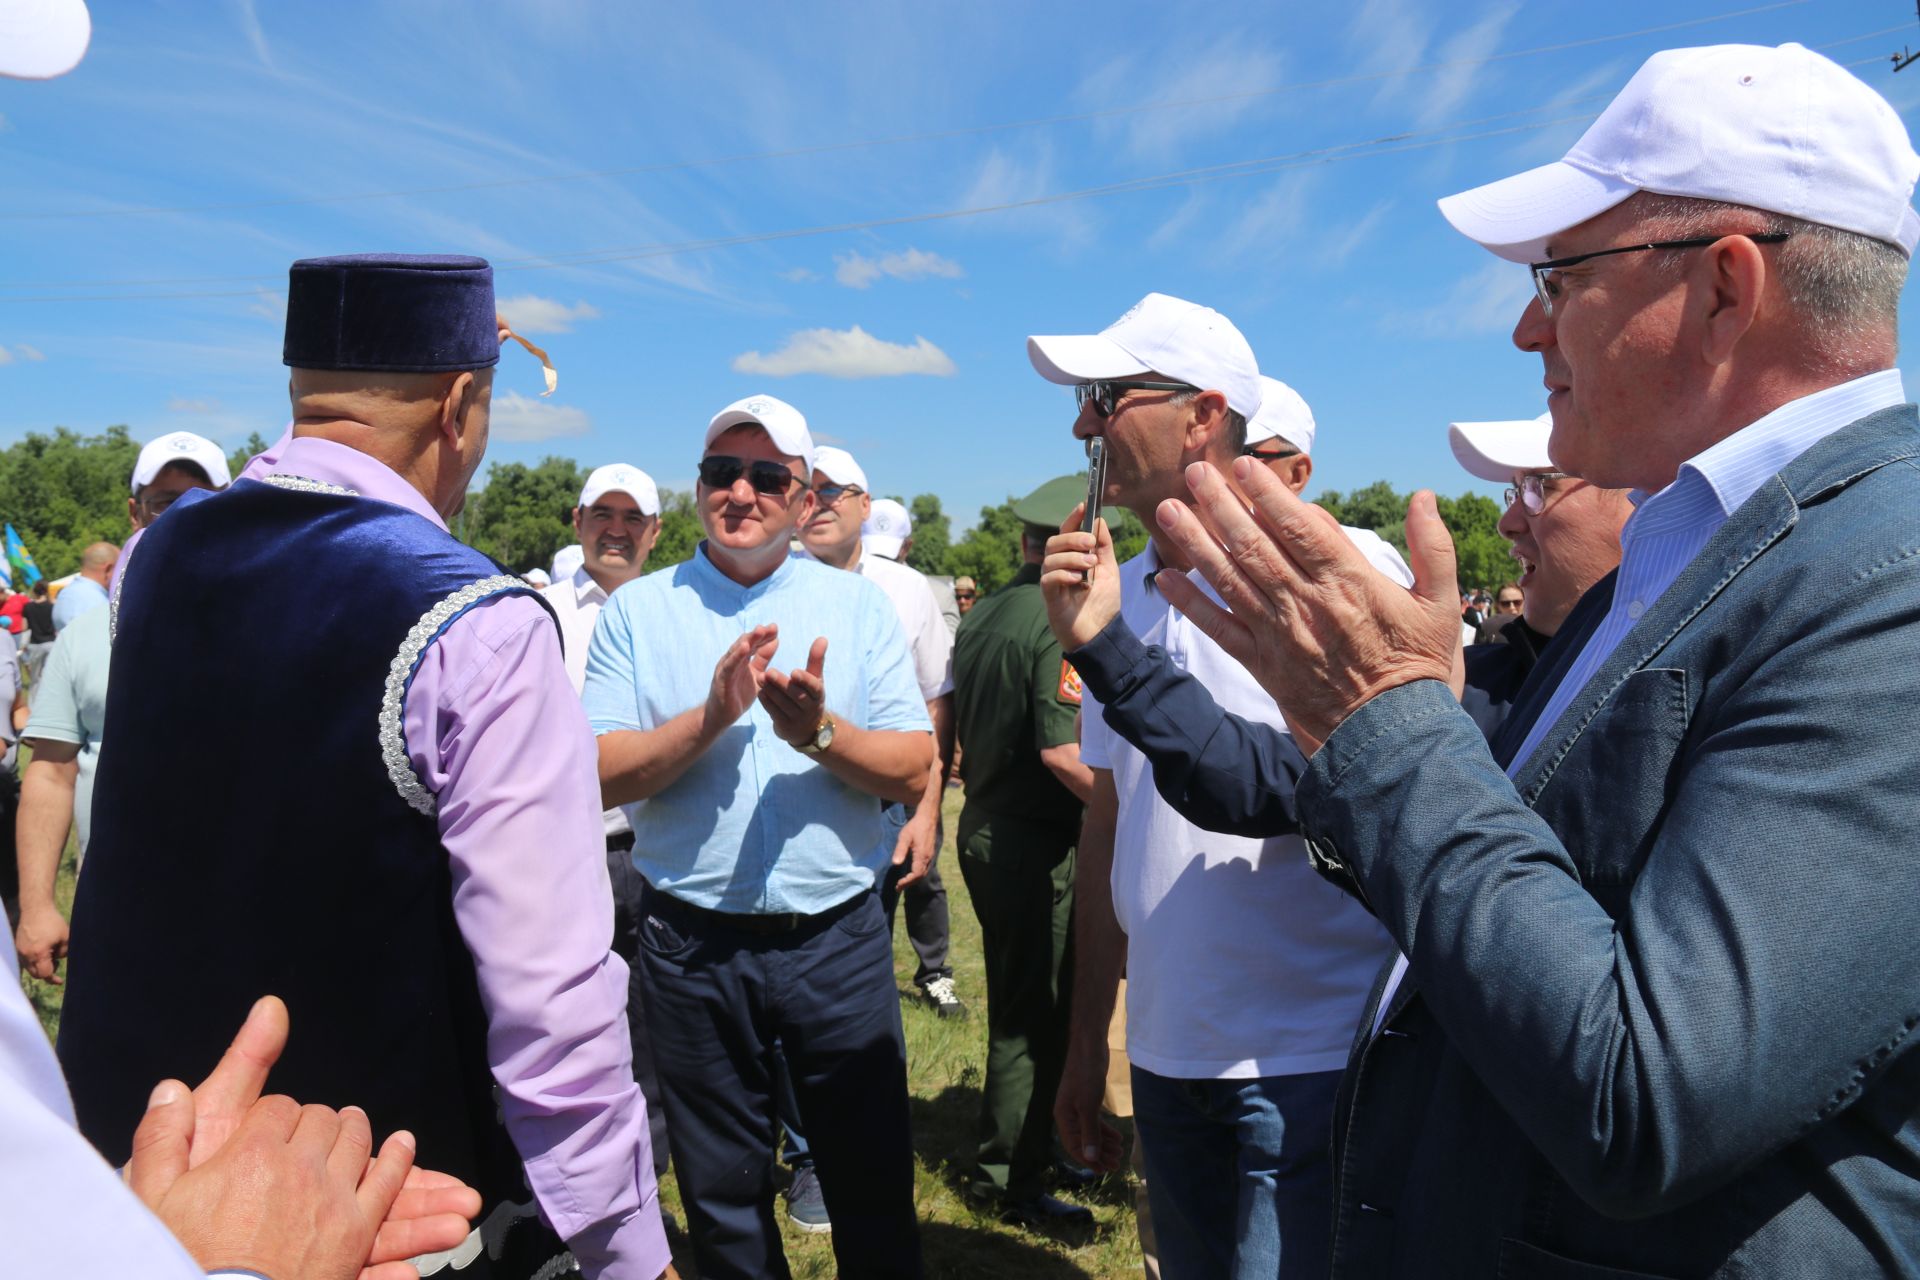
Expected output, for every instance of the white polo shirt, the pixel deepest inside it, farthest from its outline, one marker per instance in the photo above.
(577, 602)
(1241, 960)
(928, 638)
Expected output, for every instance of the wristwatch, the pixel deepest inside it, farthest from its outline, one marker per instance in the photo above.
(822, 737)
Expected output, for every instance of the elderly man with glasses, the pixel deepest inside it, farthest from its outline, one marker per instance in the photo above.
(1657, 1002)
(752, 794)
(1245, 973)
(1565, 535)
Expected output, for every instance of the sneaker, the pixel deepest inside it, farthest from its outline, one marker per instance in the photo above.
(938, 992)
(1043, 1213)
(806, 1207)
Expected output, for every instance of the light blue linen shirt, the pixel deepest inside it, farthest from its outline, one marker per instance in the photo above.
(82, 595)
(1669, 528)
(754, 826)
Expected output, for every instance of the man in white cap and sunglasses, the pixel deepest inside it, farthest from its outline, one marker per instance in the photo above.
(753, 791)
(1655, 1010)
(1245, 972)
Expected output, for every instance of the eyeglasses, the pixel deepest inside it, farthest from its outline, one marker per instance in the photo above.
(1253, 451)
(1510, 602)
(720, 470)
(1532, 490)
(1104, 394)
(1546, 282)
(963, 595)
(830, 494)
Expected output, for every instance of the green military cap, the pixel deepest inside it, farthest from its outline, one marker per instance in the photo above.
(1052, 502)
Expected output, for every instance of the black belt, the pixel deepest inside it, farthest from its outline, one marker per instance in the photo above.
(761, 924)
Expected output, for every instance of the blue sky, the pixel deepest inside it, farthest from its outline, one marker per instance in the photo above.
(1277, 162)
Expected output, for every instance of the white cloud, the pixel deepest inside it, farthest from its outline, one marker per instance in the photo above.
(26, 352)
(1394, 35)
(856, 271)
(847, 353)
(515, 417)
(1268, 224)
(256, 35)
(1487, 301)
(270, 304)
(1232, 60)
(799, 275)
(6, 357)
(1005, 179)
(181, 404)
(530, 313)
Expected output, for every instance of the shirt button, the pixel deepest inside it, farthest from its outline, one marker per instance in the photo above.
(1635, 609)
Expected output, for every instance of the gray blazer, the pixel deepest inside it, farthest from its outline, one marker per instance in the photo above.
(1664, 982)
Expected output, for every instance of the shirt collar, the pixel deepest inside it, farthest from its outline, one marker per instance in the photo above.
(1718, 479)
(585, 589)
(703, 563)
(366, 475)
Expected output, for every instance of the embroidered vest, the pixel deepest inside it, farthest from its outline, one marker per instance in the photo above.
(258, 828)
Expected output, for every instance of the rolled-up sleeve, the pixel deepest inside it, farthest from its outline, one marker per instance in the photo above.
(496, 733)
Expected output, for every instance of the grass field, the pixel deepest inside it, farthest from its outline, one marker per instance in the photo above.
(945, 1061)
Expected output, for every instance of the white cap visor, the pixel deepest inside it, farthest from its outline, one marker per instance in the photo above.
(619, 477)
(838, 466)
(1516, 217)
(40, 39)
(1077, 358)
(883, 544)
(180, 446)
(1495, 450)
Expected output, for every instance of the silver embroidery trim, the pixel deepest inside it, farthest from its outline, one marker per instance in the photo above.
(393, 739)
(307, 484)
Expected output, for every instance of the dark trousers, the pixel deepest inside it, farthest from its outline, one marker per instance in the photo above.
(1021, 882)
(628, 889)
(926, 898)
(717, 997)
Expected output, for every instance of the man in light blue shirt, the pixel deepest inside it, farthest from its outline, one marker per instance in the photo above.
(87, 591)
(755, 797)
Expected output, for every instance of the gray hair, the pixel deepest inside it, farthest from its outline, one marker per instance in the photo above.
(1236, 435)
(1847, 285)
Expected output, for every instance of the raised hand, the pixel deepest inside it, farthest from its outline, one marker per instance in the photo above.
(1080, 604)
(738, 675)
(797, 700)
(1320, 629)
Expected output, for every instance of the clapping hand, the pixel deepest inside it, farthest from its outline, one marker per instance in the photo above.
(739, 674)
(797, 701)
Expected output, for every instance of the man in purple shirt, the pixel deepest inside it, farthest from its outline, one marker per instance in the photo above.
(410, 851)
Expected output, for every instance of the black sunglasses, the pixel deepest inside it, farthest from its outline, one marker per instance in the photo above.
(1104, 394)
(720, 470)
(1253, 451)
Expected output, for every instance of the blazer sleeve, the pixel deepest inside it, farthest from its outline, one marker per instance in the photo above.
(1757, 974)
(1217, 770)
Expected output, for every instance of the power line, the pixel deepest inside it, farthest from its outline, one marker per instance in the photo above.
(939, 135)
(1386, 144)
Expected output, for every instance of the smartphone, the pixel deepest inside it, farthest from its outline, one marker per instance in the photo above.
(1096, 485)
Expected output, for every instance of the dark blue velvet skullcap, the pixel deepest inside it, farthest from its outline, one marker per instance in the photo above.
(391, 313)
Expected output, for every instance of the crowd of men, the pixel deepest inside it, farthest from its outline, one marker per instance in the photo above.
(1560, 932)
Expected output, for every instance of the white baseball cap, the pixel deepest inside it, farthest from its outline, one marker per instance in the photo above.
(566, 560)
(781, 421)
(620, 477)
(1183, 341)
(179, 446)
(838, 466)
(887, 529)
(1781, 129)
(1283, 416)
(40, 39)
(537, 577)
(1495, 450)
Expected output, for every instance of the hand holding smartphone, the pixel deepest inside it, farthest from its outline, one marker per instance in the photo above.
(1096, 485)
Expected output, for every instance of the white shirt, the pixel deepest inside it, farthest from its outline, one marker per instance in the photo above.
(577, 601)
(928, 638)
(1669, 528)
(1241, 960)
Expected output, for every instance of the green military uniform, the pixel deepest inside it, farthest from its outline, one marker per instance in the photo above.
(1014, 695)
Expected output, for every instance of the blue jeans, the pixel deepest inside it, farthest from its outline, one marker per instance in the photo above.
(1239, 1173)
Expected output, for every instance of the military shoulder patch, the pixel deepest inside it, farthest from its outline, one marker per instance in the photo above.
(1070, 686)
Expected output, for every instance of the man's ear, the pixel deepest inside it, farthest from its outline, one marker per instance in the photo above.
(455, 406)
(1206, 419)
(1736, 273)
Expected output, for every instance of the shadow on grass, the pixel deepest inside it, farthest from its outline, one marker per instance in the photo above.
(957, 1252)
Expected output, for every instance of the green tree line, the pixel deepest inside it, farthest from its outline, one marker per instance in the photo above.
(64, 490)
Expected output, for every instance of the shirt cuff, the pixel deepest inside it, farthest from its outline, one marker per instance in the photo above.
(634, 1248)
(1112, 662)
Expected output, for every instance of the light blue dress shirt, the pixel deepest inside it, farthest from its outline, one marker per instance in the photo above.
(754, 826)
(82, 595)
(1669, 528)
